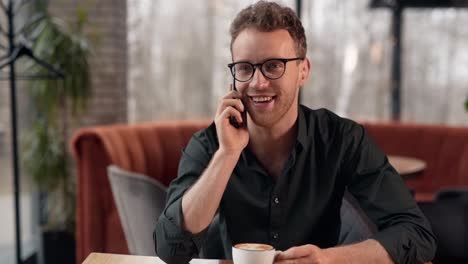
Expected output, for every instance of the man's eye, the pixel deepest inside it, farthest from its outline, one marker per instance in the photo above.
(243, 68)
(275, 65)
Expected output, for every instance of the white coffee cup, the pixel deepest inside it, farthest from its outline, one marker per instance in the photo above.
(252, 253)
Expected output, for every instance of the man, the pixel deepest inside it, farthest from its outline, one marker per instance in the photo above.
(279, 177)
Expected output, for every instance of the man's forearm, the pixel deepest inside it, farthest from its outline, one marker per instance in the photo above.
(199, 203)
(368, 251)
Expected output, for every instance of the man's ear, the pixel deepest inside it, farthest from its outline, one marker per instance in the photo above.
(304, 71)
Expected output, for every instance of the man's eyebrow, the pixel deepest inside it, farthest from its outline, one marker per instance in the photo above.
(269, 58)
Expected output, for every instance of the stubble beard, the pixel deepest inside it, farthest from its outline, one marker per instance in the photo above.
(267, 119)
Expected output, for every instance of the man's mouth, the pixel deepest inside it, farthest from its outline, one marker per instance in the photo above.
(261, 99)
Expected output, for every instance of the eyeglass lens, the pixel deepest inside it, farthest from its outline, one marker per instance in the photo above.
(272, 69)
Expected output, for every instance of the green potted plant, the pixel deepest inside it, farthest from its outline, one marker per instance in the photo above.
(466, 104)
(57, 102)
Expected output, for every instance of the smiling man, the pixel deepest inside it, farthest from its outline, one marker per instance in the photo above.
(279, 177)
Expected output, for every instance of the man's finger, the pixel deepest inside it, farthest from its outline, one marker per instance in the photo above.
(297, 252)
(303, 260)
(225, 103)
(232, 95)
(231, 111)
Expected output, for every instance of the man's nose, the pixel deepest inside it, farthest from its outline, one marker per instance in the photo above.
(258, 79)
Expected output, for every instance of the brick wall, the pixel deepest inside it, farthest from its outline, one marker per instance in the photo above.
(109, 64)
(109, 78)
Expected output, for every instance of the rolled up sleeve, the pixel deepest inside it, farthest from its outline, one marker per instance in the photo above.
(403, 230)
(409, 241)
(172, 241)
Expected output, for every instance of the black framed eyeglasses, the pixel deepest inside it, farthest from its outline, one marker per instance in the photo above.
(272, 69)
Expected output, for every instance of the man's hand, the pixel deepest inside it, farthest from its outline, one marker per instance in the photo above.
(201, 201)
(307, 254)
(367, 251)
(231, 139)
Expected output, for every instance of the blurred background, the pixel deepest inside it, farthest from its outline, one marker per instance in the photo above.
(158, 59)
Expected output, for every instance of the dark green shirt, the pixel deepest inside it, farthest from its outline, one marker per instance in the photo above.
(331, 155)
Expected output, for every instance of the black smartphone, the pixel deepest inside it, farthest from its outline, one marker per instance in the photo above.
(232, 119)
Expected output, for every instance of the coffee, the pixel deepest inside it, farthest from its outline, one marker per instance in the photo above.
(253, 246)
(253, 253)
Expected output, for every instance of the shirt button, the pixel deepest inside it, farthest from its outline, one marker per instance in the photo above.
(276, 200)
(274, 235)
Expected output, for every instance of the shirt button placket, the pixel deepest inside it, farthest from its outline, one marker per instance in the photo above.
(276, 200)
(274, 235)
(275, 220)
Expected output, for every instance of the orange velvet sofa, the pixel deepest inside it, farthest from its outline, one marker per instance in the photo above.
(154, 149)
(443, 148)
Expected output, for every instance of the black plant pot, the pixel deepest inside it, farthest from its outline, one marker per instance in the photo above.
(59, 247)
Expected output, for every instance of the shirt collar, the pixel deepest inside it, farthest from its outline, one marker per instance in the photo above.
(302, 137)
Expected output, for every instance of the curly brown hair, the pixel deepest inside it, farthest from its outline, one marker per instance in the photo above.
(269, 16)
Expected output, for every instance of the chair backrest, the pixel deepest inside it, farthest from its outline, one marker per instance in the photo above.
(355, 225)
(140, 200)
(448, 216)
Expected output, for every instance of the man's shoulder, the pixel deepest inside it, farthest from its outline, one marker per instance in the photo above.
(206, 137)
(324, 121)
(201, 146)
(208, 131)
(324, 116)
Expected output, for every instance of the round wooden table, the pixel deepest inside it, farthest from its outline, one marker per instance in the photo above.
(407, 166)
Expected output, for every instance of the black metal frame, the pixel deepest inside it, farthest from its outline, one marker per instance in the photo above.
(17, 48)
(419, 3)
(299, 14)
(397, 7)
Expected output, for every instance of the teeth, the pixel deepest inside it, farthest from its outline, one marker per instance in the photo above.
(261, 99)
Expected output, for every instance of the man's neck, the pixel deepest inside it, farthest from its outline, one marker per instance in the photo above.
(274, 143)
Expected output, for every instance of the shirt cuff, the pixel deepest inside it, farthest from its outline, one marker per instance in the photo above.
(172, 239)
(398, 244)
